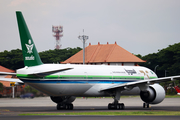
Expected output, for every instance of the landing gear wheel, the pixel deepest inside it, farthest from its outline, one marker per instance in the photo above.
(58, 107)
(64, 107)
(119, 106)
(145, 105)
(61, 106)
(69, 106)
(112, 106)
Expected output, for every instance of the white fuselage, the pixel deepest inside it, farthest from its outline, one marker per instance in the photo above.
(82, 80)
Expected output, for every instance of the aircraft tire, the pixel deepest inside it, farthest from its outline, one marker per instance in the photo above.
(145, 105)
(69, 106)
(64, 106)
(119, 106)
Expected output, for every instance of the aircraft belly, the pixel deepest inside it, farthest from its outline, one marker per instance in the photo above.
(94, 91)
(62, 89)
(75, 87)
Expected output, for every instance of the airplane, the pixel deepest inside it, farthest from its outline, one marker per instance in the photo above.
(177, 90)
(64, 82)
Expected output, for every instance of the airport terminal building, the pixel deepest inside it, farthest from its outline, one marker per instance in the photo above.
(108, 54)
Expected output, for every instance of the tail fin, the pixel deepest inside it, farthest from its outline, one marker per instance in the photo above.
(30, 54)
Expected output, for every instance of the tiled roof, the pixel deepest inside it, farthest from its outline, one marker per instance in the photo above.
(103, 53)
(3, 69)
(5, 83)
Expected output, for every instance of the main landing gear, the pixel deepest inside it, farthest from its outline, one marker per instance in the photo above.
(119, 106)
(145, 105)
(63, 102)
(64, 106)
(115, 105)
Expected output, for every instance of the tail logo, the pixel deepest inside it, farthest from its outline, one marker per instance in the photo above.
(29, 47)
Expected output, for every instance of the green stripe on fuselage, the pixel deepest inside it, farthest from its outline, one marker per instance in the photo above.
(82, 77)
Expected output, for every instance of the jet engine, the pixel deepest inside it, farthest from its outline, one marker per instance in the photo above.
(63, 99)
(154, 94)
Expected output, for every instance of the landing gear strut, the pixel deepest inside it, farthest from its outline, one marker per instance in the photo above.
(64, 106)
(115, 105)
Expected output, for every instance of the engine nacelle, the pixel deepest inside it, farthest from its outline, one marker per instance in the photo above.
(63, 99)
(153, 95)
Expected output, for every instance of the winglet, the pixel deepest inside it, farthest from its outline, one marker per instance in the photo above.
(30, 54)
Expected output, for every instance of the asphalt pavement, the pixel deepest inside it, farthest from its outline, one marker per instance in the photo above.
(11, 108)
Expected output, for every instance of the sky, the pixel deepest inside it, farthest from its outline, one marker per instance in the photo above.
(139, 26)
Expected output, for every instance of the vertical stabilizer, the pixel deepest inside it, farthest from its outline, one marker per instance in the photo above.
(30, 54)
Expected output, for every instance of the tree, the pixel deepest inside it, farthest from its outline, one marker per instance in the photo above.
(14, 59)
(1, 86)
(54, 56)
(29, 89)
(168, 60)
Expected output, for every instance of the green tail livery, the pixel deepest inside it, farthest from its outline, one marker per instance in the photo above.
(30, 54)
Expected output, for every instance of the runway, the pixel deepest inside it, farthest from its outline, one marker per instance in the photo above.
(13, 107)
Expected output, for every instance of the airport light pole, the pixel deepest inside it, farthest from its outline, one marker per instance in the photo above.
(155, 68)
(84, 39)
(166, 73)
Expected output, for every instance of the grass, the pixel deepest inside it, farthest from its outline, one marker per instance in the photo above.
(172, 96)
(151, 113)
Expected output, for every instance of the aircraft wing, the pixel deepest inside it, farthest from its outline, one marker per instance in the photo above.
(45, 73)
(130, 85)
(39, 74)
(11, 80)
(7, 73)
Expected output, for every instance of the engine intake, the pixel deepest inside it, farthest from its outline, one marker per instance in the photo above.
(153, 95)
